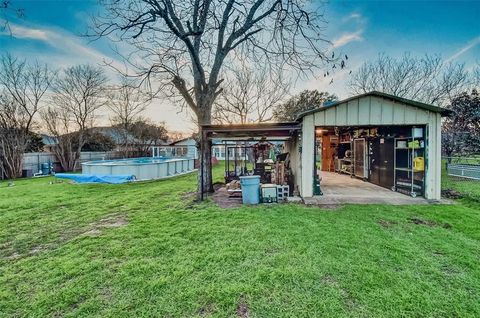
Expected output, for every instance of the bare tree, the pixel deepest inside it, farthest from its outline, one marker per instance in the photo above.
(249, 95)
(127, 102)
(476, 77)
(427, 79)
(77, 94)
(8, 8)
(303, 101)
(22, 88)
(183, 45)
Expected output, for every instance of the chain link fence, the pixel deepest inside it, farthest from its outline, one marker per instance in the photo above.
(461, 177)
(32, 161)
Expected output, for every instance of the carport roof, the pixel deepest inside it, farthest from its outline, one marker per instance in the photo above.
(258, 131)
(429, 107)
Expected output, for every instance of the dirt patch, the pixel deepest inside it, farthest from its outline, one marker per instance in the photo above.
(37, 249)
(330, 280)
(349, 300)
(430, 223)
(218, 185)
(387, 223)
(451, 194)
(189, 196)
(242, 308)
(206, 310)
(438, 253)
(93, 233)
(13, 256)
(33, 251)
(78, 303)
(113, 221)
(223, 199)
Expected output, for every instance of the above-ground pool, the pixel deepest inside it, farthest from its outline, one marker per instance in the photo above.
(142, 168)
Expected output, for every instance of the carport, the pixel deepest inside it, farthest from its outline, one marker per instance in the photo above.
(250, 133)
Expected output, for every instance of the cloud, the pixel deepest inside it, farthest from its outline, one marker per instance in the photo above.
(347, 38)
(353, 16)
(471, 44)
(26, 33)
(70, 46)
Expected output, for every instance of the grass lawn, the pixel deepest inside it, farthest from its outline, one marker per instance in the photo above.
(466, 187)
(146, 250)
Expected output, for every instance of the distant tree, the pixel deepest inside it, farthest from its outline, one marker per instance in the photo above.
(306, 100)
(22, 88)
(250, 95)
(35, 143)
(426, 79)
(461, 131)
(476, 76)
(96, 141)
(77, 95)
(127, 102)
(177, 135)
(147, 134)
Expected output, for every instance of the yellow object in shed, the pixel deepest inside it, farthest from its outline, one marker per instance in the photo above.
(418, 164)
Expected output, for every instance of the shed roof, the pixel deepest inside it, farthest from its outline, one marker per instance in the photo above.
(429, 107)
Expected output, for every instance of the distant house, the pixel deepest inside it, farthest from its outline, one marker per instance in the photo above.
(119, 136)
(48, 142)
(187, 147)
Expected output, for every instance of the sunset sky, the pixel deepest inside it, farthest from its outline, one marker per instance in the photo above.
(362, 29)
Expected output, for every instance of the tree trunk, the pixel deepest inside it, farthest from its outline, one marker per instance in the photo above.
(205, 184)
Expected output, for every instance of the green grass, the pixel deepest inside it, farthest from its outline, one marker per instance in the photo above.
(468, 188)
(146, 250)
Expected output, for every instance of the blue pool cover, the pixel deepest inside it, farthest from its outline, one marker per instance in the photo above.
(96, 178)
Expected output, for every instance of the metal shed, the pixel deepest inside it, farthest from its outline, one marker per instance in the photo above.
(376, 115)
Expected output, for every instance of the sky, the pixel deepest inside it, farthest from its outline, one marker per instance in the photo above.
(51, 32)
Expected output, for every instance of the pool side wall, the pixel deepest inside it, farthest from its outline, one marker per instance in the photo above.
(142, 171)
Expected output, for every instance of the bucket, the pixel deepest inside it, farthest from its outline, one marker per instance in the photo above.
(250, 189)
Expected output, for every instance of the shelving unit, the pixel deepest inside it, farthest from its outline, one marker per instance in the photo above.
(344, 163)
(409, 165)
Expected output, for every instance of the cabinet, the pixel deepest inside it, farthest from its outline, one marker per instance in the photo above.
(381, 162)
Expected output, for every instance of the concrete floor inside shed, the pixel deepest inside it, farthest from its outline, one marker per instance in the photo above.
(343, 189)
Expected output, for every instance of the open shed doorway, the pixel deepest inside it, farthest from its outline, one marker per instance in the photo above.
(370, 162)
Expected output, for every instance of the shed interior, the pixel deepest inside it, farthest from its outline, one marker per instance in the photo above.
(393, 157)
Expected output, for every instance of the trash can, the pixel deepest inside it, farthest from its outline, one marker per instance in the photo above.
(46, 168)
(250, 189)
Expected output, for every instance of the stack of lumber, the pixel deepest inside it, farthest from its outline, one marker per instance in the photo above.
(233, 185)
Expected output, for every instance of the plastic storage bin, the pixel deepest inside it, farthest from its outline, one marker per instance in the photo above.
(250, 189)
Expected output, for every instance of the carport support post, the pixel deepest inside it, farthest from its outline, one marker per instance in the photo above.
(203, 137)
(433, 175)
(307, 156)
(201, 167)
